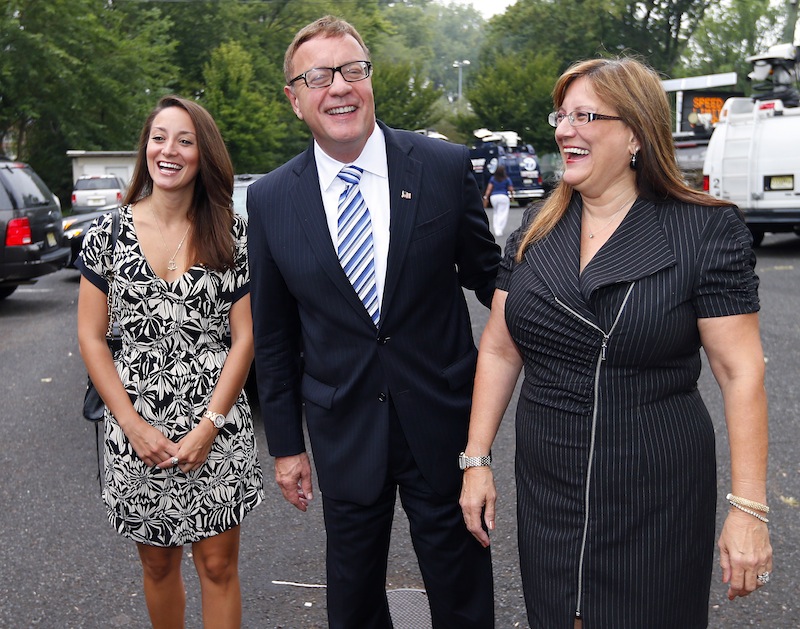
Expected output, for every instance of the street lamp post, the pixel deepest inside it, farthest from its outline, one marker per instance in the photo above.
(459, 65)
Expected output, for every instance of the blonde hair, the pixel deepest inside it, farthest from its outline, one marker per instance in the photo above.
(633, 89)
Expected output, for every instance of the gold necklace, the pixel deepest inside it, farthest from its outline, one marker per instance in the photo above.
(610, 220)
(171, 264)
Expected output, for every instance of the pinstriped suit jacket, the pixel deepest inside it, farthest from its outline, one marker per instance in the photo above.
(421, 358)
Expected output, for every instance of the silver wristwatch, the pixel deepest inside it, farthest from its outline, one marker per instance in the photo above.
(465, 461)
(218, 419)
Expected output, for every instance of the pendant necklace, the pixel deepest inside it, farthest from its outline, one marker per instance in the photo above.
(610, 220)
(171, 265)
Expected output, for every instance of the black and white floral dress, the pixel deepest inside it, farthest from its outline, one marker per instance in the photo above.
(172, 355)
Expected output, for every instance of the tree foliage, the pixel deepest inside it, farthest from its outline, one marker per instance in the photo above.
(728, 35)
(82, 74)
(514, 95)
(249, 121)
(658, 30)
(404, 98)
(77, 74)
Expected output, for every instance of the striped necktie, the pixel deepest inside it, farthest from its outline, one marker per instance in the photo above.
(355, 241)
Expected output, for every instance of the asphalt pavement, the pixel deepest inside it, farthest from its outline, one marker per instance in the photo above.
(62, 566)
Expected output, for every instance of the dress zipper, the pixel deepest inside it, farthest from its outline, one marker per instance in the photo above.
(600, 360)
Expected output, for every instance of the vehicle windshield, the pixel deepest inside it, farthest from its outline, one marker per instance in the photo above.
(103, 183)
(24, 187)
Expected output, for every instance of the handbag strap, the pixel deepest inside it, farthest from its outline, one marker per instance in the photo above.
(114, 236)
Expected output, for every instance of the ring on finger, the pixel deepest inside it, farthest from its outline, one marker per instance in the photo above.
(175, 461)
(763, 578)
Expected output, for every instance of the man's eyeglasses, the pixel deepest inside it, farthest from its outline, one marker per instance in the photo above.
(577, 118)
(316, 78)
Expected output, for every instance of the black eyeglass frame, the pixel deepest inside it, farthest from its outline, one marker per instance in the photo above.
(552, 118)
(367, 68)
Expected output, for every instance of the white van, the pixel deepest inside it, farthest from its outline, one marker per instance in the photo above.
(753, 161)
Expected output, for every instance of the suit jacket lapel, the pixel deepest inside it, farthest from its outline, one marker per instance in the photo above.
(405, 176)
(306, 202)
(556, 260)
(636, 249)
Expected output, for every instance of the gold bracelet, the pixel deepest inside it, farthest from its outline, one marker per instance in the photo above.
(750, 504)
(755, 514)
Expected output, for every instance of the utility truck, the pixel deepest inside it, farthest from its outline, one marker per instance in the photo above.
(492, 148)
(753, 156)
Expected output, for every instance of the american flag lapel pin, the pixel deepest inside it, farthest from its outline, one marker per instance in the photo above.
(405, 194)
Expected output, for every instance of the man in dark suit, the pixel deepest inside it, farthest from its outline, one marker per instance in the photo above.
(388, 358)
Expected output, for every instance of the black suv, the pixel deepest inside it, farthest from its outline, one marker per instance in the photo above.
(30, 226)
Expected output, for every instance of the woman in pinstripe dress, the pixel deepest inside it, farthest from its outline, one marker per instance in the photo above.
(605, 297)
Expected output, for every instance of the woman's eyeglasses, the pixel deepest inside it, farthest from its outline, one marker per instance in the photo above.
(577, 118)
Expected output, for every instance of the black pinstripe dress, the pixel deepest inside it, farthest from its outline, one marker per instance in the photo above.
(616, 470)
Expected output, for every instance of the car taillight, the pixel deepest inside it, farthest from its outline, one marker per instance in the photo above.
(119, 197)
(705, 183)
(18, 232)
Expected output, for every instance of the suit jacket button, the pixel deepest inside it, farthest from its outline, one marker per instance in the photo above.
(381, 397)
(383, 340)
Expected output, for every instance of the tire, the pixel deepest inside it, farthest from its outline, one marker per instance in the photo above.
(5, 291)
(758, 236)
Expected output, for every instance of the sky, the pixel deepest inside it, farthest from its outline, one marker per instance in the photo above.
(487, 8)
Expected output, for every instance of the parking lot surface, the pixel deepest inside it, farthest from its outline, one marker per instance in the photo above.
(62, 565)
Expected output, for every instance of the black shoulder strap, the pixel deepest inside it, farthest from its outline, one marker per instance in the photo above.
(114, 230)
(114, 338)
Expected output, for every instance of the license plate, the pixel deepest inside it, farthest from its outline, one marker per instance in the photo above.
(51, 239)
(784, 182)
(527, 182)
(97, 201)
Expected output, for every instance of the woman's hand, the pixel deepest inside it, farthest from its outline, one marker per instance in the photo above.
(478, 497)
(744, 553)
(150, 444)
(193, 449)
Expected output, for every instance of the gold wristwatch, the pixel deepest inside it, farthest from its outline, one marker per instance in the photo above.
(218, 419)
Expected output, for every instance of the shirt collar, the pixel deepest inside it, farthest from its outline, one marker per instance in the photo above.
(371, 160)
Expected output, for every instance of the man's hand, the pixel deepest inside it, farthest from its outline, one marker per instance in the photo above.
(293, 475)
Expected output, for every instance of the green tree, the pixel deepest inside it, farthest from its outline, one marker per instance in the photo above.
(77, 74)
(659, 30)
(197, 28)
(514, 95)
(265, 30)
(728, 35)
(459, 35)
(403, 97)
(431, 37)
(251, 124)
(568, 30)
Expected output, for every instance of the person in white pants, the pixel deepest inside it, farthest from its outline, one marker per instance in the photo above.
(499, 191)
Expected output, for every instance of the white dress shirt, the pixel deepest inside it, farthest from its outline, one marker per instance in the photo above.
(375, 190)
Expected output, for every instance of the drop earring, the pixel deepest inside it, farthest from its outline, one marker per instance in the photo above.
(633, 160)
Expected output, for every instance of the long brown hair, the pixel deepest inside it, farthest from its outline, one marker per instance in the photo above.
(211, 212)
(634, 90)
